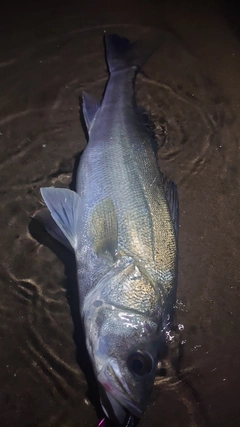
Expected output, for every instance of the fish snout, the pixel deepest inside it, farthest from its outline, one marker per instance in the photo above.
(116, 399)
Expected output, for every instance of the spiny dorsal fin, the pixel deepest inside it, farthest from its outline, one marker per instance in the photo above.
(90, 108)
(171, 193)
(64, 206)
(104, 229)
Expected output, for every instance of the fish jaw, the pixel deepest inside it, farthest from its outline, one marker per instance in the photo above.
(113, 409)
(117, 402)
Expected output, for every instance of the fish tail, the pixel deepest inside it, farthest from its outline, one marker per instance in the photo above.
(121, 54)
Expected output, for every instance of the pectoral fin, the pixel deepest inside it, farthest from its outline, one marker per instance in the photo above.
(104, 229)
(64, 206)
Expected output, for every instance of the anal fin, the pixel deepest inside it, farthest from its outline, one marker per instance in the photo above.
(45, 218)
(90, 109)
(64, 206)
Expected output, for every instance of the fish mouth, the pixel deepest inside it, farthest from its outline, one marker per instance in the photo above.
(118, 411)
(116, 399)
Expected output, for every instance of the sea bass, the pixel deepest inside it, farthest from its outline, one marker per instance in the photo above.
(122, 225)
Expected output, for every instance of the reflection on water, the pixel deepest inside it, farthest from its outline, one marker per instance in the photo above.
(43, 357)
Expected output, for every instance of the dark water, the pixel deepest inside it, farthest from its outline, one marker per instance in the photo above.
(49, 54)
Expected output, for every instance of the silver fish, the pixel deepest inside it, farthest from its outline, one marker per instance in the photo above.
(122, 224)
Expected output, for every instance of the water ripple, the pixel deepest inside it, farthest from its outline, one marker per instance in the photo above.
(44, 352)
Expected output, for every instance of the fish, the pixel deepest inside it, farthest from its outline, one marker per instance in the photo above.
(122, 225)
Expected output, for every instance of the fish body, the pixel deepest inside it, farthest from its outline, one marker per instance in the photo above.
(122, 225)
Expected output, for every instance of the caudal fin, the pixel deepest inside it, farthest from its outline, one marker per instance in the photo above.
(122, 54)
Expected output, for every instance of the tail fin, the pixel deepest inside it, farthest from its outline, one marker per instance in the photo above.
(122, 54)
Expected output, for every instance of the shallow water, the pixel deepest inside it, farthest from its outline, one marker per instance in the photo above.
(190, 88)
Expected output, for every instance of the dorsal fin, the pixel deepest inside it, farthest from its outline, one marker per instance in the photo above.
(171, 193)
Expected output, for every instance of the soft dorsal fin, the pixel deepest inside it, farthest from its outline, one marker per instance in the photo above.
(104, 229)
(64, 206)
(171, 193)
(90, 108)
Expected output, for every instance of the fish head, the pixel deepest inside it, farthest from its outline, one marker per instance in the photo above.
(123, 335)
(125, 383)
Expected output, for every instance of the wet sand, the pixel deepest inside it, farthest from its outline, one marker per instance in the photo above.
(50, 53)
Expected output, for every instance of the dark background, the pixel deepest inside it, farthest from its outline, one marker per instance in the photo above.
(50, 52)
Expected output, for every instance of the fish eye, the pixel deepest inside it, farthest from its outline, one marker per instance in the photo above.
(140, 363)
